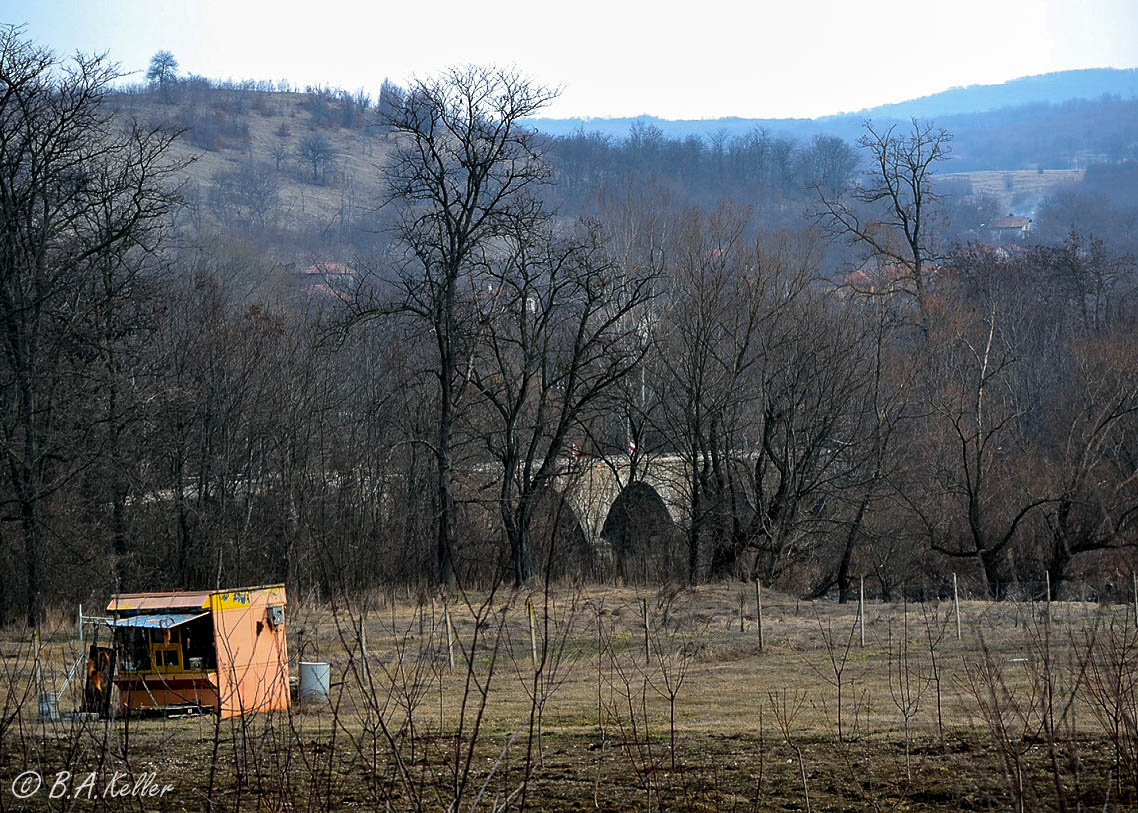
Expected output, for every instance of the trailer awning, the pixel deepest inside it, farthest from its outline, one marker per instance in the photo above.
(163, 621)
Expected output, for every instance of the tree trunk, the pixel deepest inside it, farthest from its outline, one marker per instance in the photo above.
(444, 323)
(989, 570)
(520, 550)
(29, 482)
(695, 528)
(515, 521)
(118, 486)
(183, 520)
(30, 524)
(845, 582)
(446, 533)
(1057, 567)
(446, 515)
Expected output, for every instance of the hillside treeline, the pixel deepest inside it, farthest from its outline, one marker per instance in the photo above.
(1104, 203)
(1037, 135)
(777, 174)
(777, 163)
(182, 409)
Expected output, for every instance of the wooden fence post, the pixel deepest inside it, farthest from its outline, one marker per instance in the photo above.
(956, 605)
(1047, 577)
(37, 668)
(1134, 585)
(450, 636)
(644, 612)
(363, 648)
(861, 608)
(759, 609)
(532, 634)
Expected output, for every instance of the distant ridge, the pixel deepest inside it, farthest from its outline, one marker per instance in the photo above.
(1045, 88)
(1048, 88)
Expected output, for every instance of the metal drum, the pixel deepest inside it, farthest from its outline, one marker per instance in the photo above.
(314, 682)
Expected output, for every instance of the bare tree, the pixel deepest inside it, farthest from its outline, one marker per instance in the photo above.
(1033, 402)
(245, 196)
(810, 429)
(318, 152)
(391, 98)
(279, 148)
(559, 329)
(885, 407)
(764, 396)
(1077, 340)
(891, 210)
(979, 492)
(76, 194)
(705, 348)
(827, 165)
(163, 72)
(1092, 456)
(460, 181)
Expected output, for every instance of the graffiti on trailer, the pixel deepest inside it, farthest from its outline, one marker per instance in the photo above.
(239, 597)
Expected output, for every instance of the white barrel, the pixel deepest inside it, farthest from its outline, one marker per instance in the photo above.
(49, 707)
(314, 681)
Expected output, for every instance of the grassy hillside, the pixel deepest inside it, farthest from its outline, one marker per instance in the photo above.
(228, 130)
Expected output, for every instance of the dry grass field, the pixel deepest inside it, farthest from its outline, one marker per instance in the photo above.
(1016, 191)
(1034, 708)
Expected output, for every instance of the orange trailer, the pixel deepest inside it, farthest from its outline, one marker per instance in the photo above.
(223, 650)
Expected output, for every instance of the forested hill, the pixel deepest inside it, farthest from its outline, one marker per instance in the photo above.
(302, 170)
(1054, 121)
(1047, 88)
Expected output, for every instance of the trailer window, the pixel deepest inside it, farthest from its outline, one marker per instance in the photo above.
(135, 650)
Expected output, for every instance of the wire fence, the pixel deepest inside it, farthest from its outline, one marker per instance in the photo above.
(1119, 590)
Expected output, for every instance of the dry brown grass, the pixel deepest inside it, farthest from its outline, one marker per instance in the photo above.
(1017, 188)
(605, 733)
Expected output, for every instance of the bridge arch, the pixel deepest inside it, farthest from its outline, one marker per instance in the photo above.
(558, 537)
(641, 533)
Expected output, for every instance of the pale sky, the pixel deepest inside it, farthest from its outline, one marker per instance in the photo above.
(693, 59)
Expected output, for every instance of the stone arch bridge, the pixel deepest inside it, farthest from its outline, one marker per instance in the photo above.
(590, 486)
